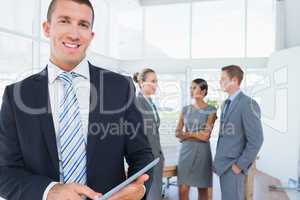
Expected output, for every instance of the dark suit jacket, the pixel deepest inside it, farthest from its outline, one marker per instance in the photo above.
(28, 151)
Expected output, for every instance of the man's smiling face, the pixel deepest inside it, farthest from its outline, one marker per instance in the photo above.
(70, 33)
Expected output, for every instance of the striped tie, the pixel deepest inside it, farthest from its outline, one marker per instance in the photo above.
(72, 141)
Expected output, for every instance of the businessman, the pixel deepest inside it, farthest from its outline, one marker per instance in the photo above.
(240, 136)
(64, 132)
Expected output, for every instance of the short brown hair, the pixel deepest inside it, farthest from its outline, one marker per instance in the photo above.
(85, 2)
(234, 71)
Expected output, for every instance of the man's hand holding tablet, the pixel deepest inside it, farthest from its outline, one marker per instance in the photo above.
(132, 188)
(133, 191)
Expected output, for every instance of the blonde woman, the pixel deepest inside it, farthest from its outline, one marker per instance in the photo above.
(147, 82)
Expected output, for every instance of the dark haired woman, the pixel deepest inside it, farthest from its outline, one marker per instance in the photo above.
(194, 128)
(147, 81)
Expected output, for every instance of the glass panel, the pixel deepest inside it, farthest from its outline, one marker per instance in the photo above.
(169, 100)
(45, 53)
(261, 30)
(15, 53)
(167, 30)
(101, 25)
(17, 15)
(126, 31)
(15, 63)
(218, 29)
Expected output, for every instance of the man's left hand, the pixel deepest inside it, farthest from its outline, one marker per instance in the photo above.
(134, 191)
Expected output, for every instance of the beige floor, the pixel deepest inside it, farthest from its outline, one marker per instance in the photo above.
(261, 183)
(261, 190)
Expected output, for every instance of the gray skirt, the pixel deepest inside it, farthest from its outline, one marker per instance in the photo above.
(195, 164)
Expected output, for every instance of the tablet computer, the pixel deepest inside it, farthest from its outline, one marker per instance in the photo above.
(129, 180)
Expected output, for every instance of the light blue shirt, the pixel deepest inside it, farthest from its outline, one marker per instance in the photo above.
(233, 96)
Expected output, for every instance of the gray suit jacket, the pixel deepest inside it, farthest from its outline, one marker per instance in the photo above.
(240, 136)
(151, 127)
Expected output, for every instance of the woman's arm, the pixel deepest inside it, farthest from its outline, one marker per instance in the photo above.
(179, 127)
(203, 135)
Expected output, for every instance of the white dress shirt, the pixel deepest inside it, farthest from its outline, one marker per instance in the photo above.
(234, 95)
(82, 90)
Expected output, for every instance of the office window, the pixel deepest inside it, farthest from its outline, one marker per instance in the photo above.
(15, 53)
(17, 15)
(261, 30)
(15, 59)
(101, 28)
(128, 36)
(218, 29)
(167, 31)
(44, 54)
(169, 99)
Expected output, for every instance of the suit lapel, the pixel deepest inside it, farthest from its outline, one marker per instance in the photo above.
(148, 108)
(158, 118)
(233, 105)
(46, 119)
(94, 113)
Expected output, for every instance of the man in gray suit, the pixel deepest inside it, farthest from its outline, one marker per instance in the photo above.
(240, 136)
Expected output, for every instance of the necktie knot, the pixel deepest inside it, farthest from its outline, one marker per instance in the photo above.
(227, 102)
(67, 77)
(225, 109)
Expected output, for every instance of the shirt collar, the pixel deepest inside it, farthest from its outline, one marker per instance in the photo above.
(234, 95)
(81, 69)
(148, 99)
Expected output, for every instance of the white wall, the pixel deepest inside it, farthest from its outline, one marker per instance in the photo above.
(104, 62)
(292, 34)
(167, 66)
(280, 108)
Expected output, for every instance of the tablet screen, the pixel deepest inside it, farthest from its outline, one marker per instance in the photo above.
(129, 180)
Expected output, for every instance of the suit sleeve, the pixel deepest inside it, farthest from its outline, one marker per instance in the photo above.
(138, 151)
(253, 133)
(15, 182)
